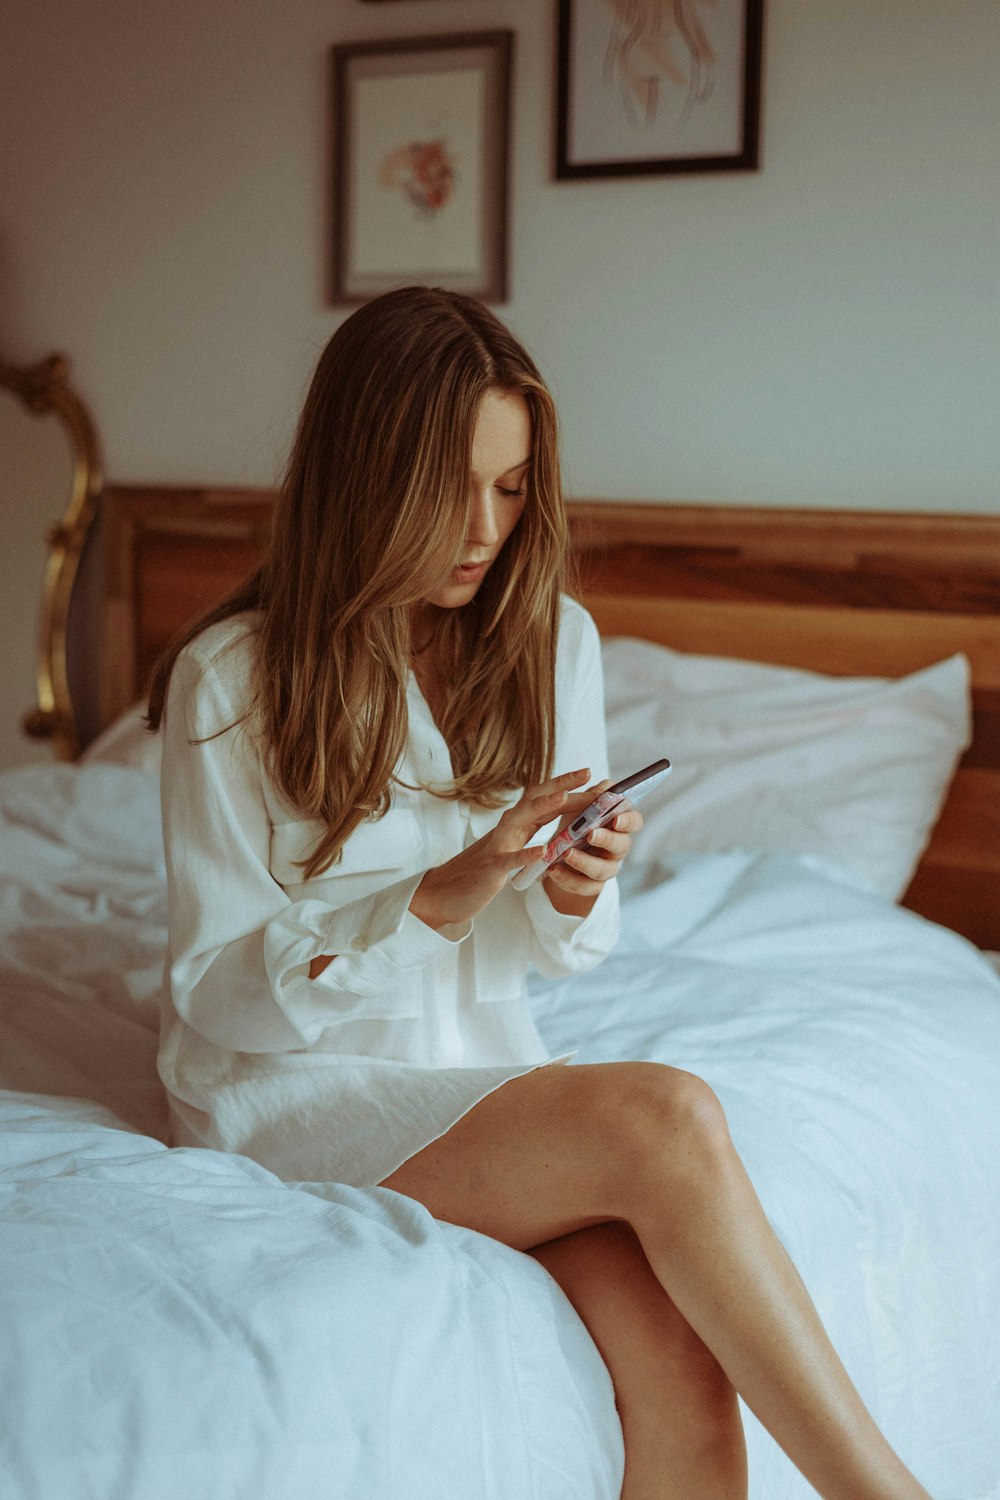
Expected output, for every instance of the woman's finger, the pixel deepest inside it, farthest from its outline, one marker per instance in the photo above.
(492, 851)
(520, 822)
(628, 822)
(558, 786)
(564, 783)
(515, 859)
(576, 882)
(575, 802)
(609, 842)
(599, 867)
(539, 805)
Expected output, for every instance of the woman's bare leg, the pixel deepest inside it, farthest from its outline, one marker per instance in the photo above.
(561, 1149)
(679, 1413)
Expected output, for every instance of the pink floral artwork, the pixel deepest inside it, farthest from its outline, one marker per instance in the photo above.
(424, 171)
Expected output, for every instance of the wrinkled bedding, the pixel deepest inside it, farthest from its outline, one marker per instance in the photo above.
(182, 1322)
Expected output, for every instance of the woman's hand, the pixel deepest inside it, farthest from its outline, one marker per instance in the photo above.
(574, 884)
(464, 885)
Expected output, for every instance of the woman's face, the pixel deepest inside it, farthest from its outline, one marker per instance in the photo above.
(501, 457)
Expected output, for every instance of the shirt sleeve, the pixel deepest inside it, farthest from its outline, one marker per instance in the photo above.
(240, 947)
(564, 944)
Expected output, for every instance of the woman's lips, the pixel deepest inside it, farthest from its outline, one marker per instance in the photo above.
(470, 572)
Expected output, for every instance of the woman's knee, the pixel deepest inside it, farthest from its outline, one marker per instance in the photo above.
(674, 1106)
(660, 1120)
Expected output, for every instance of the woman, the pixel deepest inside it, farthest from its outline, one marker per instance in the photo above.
(359, 748)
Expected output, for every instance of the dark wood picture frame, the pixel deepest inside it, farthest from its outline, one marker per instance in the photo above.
(420, 171)
(656, 96)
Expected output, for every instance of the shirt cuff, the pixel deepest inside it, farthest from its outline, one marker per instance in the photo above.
(388, 942)
(572, 944)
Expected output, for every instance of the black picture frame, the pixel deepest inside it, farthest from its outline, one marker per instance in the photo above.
(674, 87)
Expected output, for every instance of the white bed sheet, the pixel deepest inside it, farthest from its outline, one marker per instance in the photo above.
(181, 1321)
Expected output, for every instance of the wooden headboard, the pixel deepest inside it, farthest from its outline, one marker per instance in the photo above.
(846, 592)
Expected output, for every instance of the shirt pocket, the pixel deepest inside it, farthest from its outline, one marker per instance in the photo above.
(389, 846)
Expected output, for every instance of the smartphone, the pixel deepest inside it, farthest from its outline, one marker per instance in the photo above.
(604, 809)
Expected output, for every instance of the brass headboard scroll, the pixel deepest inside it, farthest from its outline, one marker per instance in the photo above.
(44, 388)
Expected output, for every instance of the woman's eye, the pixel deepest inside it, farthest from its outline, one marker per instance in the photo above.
(512, 494)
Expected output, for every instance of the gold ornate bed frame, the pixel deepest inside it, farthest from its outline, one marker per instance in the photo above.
(850, 592)
(45, 388)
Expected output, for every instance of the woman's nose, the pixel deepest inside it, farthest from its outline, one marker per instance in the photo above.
(483, 528)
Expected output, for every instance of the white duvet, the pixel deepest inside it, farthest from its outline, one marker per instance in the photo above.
(178, 1322)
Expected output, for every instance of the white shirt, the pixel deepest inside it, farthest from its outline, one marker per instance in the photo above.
(344, 1076)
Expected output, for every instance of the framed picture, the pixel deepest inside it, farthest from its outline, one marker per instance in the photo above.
(421, 142)
(650, 86)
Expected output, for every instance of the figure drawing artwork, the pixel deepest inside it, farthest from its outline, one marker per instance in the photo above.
(660, 56)
(658, 86)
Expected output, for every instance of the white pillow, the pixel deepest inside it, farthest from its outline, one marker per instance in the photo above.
(127, 741)
(852, 770)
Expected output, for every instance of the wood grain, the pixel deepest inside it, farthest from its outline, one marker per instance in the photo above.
(824, 639)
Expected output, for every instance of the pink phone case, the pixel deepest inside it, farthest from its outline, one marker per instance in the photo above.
(605, 807)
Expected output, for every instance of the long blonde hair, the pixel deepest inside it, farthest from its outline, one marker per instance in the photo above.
(376, 491)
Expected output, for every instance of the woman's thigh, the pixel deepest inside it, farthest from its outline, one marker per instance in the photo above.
(558, 1149)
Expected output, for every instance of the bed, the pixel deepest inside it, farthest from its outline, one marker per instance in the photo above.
(809, 921)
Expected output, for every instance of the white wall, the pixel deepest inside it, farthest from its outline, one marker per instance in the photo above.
(824, 332)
